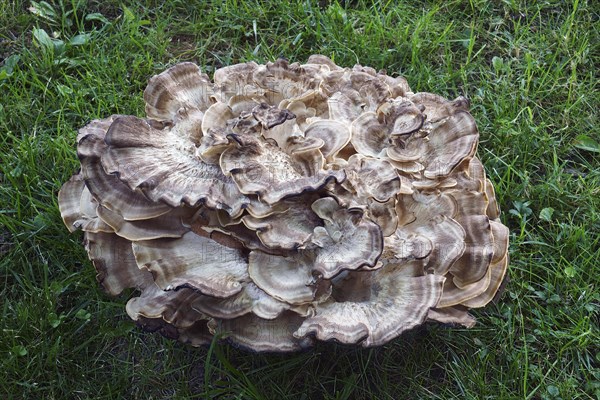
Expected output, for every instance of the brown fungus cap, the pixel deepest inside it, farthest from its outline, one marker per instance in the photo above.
(193, 261)
(78, 207)
(348, 239)
(390, 303)
(69, 202)
(289, 229)
(263, 168)
(263, 335)
(288, 279)
(171, 314)
(163, 165)
(178, 88)
(250, 300)
(112, 193)
(286, 203)
(113, 259)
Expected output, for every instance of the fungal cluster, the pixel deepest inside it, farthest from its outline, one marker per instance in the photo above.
(281, 204)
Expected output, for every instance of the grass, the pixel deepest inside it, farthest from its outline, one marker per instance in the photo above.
(530, 70)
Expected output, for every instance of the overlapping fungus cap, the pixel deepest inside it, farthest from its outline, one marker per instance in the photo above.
(282, 204)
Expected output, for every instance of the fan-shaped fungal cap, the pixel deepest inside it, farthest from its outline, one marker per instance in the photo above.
(250, 300)
(288, 229)
(390, 302)
(108, 189)
(69, 201)
(163, 165)
(262, 168)
(78, 208)
(257, 334)
(287, 279)
(113, 259)
(287, 203)
(348, 240)
(193, 261)
(171, 314)
(178, 88)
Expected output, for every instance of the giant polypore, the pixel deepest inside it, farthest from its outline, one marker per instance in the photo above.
(281, 204)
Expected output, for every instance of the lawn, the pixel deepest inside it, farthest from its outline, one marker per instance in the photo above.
(530, 71)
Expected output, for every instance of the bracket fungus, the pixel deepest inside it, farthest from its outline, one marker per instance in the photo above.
(282, 204)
